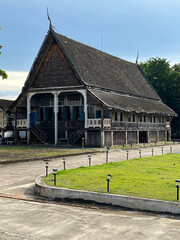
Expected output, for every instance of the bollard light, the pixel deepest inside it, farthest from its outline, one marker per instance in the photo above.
(89, 156)
(109, 176)
(127, 154)
(46, 166)
(107, 150)
(162, 150)
(64, 163)
(54, 173)
(139, 153)
(177, 186)
(152, 151)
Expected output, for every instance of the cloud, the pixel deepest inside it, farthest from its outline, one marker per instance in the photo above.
(10, 88)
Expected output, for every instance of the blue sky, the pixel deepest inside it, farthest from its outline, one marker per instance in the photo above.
(118, 27)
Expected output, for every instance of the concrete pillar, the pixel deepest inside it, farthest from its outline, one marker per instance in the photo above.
(102, 138)
(137, 137)
(29, 95)
(169, 135)
(84, 93)
(157, 138)
(147, 136)
(126, 140)
(165, 136)
(112, 141)
(85, 138)
(55, 118)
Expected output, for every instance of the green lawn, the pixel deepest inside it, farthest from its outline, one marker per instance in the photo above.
(150, 177)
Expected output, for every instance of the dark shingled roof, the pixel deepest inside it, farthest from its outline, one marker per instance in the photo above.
(5, 104)
(132, 104)
(99, 69)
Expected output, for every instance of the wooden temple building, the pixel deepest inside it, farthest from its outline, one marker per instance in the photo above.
(74, 91)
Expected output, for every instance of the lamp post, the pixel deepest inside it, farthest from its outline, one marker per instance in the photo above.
(89, 156)
(109, 176)
(54, 173)
(107, 150)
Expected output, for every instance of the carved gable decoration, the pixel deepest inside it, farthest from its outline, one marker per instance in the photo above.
(55, 71)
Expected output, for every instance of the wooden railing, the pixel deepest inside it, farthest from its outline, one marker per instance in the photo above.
(97, 123)
(138, 125)
(21, 123)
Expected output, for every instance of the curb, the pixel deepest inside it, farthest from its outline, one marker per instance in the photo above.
(134, 203)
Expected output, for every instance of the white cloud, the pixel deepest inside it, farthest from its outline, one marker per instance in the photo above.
(10, 88)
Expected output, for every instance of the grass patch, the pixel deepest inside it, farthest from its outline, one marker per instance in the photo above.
(150, 177)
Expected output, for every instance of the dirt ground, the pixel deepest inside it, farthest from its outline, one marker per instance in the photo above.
(23, 153)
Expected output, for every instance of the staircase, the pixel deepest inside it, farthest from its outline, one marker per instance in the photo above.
(79, 135)
(38, 133)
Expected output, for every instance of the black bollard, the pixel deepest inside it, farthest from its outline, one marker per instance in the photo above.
(89, 156)
(177, 186)
(162, 150)
(139, 153)
(152, 151)
(64, 163)
(127, 154)
(54, 173)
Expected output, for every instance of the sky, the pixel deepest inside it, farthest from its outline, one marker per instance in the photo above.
(119, 27)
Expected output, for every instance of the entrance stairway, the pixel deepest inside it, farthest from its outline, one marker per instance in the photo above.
(38, 133)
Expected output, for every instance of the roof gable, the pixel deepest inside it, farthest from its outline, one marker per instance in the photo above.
(55, 70)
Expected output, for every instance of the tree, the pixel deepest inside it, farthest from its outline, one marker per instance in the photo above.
(3, 74)
(166, 81)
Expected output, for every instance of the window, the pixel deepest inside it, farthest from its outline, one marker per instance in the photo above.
(134, 118)
(73, 99)
(121, 117)
(115, 116)
(140, 118)
(154, 119)
(150, 119)
(144, 118)
(61, 100)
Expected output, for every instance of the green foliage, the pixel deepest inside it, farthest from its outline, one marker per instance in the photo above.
(166, 81)
(3, 74)
(150, 177)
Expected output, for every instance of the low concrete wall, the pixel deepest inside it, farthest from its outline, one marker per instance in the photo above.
(113, 199)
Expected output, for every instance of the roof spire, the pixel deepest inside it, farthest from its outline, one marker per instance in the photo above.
(50, 25)
(137, 57)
